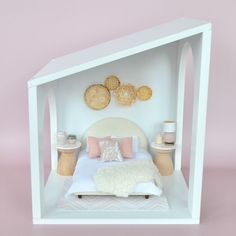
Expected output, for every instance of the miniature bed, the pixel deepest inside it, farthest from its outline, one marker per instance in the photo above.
(86, 167)
(155, 57)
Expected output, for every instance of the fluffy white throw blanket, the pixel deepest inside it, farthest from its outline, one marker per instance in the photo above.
(120, 180)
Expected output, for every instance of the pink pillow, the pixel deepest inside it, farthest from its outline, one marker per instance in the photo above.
(93, 146)
(126, 146)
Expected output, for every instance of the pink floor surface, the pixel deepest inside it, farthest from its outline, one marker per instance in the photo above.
(218, 210)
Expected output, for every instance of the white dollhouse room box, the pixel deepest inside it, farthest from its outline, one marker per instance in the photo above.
(155, 57)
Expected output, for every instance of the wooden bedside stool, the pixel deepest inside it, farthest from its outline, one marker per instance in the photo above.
(67, 158)
(163, 158)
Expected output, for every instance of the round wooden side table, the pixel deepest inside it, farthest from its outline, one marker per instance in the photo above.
(163, 158)
(67, 158)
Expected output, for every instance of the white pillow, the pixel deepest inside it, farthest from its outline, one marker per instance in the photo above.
(135, 143)
(87, 146)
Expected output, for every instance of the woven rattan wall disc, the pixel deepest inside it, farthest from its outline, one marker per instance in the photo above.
(97, 96)
(144, 93)
(126, 94)
(112, 82)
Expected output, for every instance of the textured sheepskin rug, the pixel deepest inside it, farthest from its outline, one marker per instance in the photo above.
(120, 180)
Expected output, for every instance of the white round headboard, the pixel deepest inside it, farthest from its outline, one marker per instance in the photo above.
(116, 126)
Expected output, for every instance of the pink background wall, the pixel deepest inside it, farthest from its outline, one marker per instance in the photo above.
(34, 32)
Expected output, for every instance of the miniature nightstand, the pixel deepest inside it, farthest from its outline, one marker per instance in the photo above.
(67, 158)
(163, 159)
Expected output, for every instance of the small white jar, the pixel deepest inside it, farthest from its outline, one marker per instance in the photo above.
(61, 138)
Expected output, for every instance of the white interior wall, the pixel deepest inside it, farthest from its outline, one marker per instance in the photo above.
(155, 68)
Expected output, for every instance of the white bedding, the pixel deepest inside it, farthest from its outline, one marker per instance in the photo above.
(86, 168)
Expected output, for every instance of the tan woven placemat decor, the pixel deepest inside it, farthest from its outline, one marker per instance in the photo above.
(126, 94)
(144, 93)
(97, 96)
(112, 82)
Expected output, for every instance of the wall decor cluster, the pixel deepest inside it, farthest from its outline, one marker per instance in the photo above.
(98, 96)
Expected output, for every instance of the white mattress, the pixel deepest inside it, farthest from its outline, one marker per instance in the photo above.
(87, 167)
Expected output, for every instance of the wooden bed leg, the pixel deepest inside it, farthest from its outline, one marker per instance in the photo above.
(146, 196)
(79, 196)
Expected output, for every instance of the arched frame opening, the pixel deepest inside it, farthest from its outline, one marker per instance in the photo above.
(39, 96)
(46, 143)
(200, 47)
(49, 131)
(185, 51)
(53, 126)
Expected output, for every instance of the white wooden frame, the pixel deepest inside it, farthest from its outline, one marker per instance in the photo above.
(189, 33)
